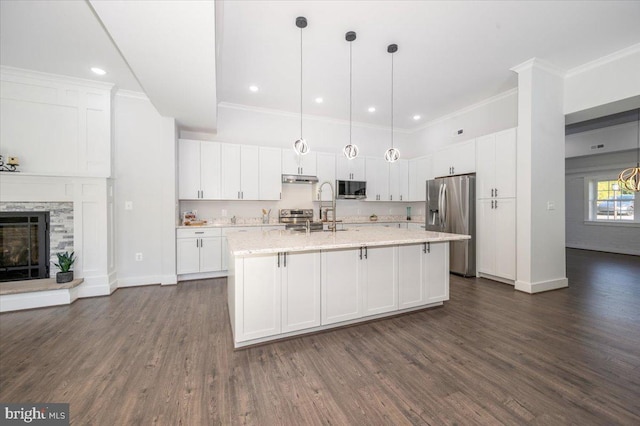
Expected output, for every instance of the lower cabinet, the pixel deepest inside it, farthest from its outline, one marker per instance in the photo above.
(341, 285)
(198, 250)
(279, 292)
(380, 279)
(423, 275)
(496, 237)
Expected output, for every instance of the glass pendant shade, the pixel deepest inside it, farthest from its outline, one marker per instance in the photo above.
(301, 147)
(392, 155)
(350, 151)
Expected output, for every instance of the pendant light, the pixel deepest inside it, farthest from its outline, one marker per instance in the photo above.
(630, 178)
(350, 150)
(300, 146)
(392, 155)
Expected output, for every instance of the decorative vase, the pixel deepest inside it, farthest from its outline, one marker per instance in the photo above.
(64, 277)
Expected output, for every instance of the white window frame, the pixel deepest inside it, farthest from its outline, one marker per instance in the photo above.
(590, 197)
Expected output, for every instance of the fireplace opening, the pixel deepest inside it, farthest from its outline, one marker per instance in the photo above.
(24, 245)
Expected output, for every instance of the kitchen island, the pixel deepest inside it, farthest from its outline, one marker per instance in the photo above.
(284, 283)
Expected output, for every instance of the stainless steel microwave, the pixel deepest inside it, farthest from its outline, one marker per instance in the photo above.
(351, 189)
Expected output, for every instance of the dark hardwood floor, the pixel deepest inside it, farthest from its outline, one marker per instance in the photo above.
(491, 355)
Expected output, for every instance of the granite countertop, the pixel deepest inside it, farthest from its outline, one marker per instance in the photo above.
(274, 241)
(257, 222)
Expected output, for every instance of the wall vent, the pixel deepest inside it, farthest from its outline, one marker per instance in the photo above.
(599, 146)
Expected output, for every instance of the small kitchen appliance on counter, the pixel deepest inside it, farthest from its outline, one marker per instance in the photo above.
(297, 220)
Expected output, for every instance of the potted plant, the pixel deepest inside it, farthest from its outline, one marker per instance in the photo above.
(65, 262)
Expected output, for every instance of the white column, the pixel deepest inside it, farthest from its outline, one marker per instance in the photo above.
(541, 263)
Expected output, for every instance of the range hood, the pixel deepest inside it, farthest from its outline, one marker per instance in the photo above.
(299, 179)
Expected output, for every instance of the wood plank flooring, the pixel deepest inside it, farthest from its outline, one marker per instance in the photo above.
(491, 355)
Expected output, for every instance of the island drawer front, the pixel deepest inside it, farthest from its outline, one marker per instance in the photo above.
(199, 233)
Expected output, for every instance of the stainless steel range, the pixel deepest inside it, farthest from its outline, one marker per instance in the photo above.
(299, 220)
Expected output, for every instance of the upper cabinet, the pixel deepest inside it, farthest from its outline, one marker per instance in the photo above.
(377, 179)
(198, 170)
(240, 172)
(270, 173)
(294, 164)
(399, 181)
(496, 165)
(326, 168)
(457, 159)
(420, 171)
(353, 169)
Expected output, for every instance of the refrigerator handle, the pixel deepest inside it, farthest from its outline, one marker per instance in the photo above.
(444, 204)
(440, 204)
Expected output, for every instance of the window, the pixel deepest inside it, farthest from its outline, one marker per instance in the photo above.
(609, 202)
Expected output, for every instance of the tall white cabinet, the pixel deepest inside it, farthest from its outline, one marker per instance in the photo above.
(496, 206)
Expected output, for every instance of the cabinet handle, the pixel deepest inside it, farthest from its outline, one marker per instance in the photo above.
(492, 192)
(284, 255)
(424, 247)
(366, 252)
(238, 195)
(428, 247)
(197, 242)
(199, 232)
(496, 193)
(360, 253)
(401, 198)
(496, 204)
(278, 260)
(492, 204)
(390, 197)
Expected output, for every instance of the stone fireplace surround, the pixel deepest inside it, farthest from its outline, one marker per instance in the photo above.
(84, 206)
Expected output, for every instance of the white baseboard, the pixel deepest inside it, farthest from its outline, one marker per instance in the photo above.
(617, 250)
(203, 275)
(139, 281)
(95, 286)
(494, 278)
(169, 280)
(541, 286)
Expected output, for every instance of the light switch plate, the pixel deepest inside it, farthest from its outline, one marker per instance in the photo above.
(128, 205)
(551, 205)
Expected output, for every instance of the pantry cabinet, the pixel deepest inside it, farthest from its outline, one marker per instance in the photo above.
(199, 170)
(496, 165)
(496, 238)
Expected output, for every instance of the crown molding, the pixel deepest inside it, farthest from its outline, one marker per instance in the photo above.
(623, 53)
(11, 73)
(539, 64)
(467, 109)
(132, 94)
(281, 113)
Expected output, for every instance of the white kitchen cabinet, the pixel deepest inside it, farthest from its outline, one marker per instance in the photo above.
(456, 159)
(377, 178)
(199, 169)
(353, 169)
(341, 285)
(326, 169)
(496, 238)
(294, 164)
(380, 280)
(496, 165)
(300, 290)
(423, 276)
(278, 294)
(270, 170)
(399, 180)
(240, 172)
(225, 248)
(420, 171)
(198, 250)
(258, 279)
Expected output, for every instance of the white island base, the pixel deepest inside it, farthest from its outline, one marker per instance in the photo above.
(277, 289)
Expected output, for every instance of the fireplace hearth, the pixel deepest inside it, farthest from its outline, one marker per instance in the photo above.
(24, 245)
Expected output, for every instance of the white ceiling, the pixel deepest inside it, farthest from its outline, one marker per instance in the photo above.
(451, 54)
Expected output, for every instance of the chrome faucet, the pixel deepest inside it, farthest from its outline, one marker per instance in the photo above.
(333, 203)
(308, 226)
(233, 220)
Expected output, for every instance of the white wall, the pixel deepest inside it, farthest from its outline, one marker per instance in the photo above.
(596, 236)
(490, 116)
(144, 165)
(604, 81)
(55, 125)
(253, 126)
(621, 137)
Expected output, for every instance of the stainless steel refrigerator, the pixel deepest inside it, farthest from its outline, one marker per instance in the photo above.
(451, 207)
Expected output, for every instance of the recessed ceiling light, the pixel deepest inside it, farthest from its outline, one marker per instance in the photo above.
(98, 71)
(319, 100)
(416, 117)
(372, 109)
(253, 88)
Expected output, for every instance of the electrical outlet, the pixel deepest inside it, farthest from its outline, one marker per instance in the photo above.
(128, 205)
(224, 213)
(138, 257)
(551, 205)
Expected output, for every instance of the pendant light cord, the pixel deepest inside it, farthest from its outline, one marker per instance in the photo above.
(392, 100)
(350, 89)
(300, 83)
(638, 137)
